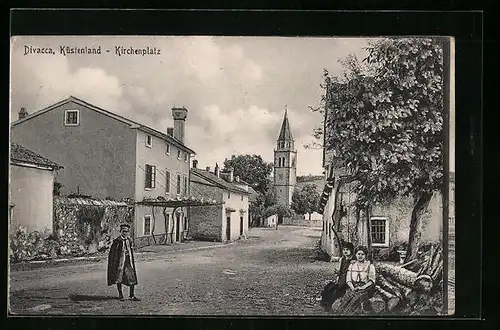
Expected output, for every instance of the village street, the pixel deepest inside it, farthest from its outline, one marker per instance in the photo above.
(273, 272)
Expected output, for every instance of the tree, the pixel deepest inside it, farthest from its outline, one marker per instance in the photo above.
(282, 210)
(251, 169)
(385, 118)
(262, 203)
(305, 199)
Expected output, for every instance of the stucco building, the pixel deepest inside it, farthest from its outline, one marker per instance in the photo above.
(228, 219)
(106, 155)
(31, 189)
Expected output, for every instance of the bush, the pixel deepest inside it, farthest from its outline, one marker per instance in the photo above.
(25, 246)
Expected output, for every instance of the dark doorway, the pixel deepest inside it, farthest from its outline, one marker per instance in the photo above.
(178, 228)
(241, 226)
(280, 219)
(228, 227)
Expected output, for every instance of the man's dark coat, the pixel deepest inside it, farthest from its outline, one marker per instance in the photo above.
(116, 261)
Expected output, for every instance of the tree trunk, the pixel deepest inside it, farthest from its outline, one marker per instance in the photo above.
(369, 232)
(387, 286)
(422, 283)
(166, 225)
(153, 224)
(309, 216)
(336, 215)
(414, 234)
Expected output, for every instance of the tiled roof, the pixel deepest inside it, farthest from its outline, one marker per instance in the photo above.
(21, 154)
(214, 179)
(253, 194)
(128, 121)
(286, 131)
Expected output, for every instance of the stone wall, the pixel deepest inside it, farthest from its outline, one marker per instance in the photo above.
(87, 225)
(206, 223)
(299, 221)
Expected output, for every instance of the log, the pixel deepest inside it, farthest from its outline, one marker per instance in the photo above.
(412, 298)
(435, 263)
(406, 277)
(438, 272)
(387, 286)
(427, 262)
(377, 303)
(423, 283)
(391, 300)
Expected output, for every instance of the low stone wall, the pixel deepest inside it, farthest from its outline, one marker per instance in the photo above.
(302, 222)
(83, 225)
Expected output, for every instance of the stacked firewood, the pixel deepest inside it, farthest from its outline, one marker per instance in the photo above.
(397, 285)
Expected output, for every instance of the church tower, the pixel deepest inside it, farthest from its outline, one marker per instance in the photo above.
(285, 160)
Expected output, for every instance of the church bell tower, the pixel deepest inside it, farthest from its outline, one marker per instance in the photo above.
(285, 163)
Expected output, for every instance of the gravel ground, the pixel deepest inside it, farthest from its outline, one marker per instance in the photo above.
(273, 272)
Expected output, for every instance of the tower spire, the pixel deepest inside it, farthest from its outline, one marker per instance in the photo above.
(285, 131)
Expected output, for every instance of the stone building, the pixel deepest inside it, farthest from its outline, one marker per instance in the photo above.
(228, 219)
(285, 164)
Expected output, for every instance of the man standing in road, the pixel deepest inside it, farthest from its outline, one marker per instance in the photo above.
(121, 263)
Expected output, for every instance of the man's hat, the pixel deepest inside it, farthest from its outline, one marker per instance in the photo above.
(124, 225)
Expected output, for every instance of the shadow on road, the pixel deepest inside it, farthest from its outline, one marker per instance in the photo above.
(81, 297)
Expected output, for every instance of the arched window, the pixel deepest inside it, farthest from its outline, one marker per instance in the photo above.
(288, 144)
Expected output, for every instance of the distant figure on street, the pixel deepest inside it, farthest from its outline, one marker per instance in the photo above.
(337, 288)
(121, 263)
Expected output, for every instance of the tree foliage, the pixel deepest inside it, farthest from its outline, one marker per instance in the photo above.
(385, 120)
(282, 210)
(305, 199)
(263, 202)
(251, 169)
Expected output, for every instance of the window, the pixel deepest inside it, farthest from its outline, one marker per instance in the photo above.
(178, 154)
(71, 117)
(167, 181)
(167, 151)
(149, 141)
(147, 225)
(178, 184)
(288, 144)
(185, 157)
(185, 185)
(228, 194)
(242, 197)
(380, 231)
(150, 176)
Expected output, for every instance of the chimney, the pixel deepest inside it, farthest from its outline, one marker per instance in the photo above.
(23, 113)
(179, 115)
(207, 168)
(170, 131)
(231, 174)
(195, 163)
(216, 170)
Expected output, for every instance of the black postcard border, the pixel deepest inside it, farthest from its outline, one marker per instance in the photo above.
(465, 26)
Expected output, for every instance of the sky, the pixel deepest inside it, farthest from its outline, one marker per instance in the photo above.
(235, 88)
